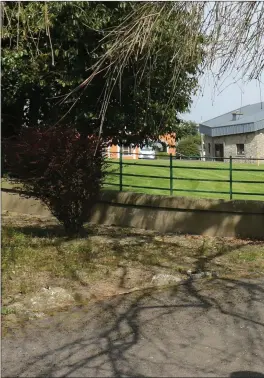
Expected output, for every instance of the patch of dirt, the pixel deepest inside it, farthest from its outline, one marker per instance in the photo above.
(130, 260)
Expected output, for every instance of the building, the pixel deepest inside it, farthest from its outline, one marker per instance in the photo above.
(132, 152)
(239, 133)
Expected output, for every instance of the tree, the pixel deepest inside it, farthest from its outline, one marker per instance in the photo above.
(61, 168)
(232, 33)
(47, 51)
(189, 146)
(185, 128)
(47, 48)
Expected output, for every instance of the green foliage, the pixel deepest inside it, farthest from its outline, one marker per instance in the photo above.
(184, 129)
(189, 146)
(49, 48)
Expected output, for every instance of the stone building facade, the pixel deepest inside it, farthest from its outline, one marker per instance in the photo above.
(246, 146)
(239, 134)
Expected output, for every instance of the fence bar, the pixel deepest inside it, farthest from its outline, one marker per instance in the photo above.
(230, 177)
(144, 176)
(199, 191)
(180, 166)
(249, 194)
(178, 190)
(120, 172)
(207, 168)
(147, 165)
(145, 187)
(206, 180)
(181, 178)
(115, 162)
(111, 184)
(248, 182)
(171, 176)
(248, 169)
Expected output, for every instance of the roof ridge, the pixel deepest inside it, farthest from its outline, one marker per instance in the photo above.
(231, 111)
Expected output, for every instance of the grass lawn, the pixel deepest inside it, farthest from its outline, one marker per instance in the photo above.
(181, 169)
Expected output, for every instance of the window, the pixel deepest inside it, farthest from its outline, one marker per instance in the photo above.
(127, 150)
(209, 148)
(240, 149)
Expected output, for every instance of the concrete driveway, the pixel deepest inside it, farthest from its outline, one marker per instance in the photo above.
(198, 330)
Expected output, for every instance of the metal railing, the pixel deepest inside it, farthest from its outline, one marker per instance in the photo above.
(171, 178)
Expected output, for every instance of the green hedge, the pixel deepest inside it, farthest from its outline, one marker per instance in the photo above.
(188, 147)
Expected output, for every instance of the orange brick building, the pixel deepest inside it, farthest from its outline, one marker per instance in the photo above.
(131, 152)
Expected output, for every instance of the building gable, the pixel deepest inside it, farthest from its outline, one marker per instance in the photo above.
(247, 119)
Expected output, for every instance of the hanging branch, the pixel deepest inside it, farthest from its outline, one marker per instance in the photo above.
(184, 33)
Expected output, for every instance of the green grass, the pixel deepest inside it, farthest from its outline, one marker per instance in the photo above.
(6, 311)
(184, 187)
(181, 169)
(35, 256)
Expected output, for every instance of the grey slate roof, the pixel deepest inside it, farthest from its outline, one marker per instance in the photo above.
(251, 119)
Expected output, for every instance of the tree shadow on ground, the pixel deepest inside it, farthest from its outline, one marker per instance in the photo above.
(246, 374)
(53, 231)
(190, 330)
(149, 249)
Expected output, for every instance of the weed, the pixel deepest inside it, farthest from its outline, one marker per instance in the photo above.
(202, 250)
(7, 311)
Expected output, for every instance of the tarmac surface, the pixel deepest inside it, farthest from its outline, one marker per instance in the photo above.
(195, 330)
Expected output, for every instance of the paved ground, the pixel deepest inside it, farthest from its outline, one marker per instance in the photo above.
(185, 332)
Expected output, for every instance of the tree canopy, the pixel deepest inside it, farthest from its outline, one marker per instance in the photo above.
(49, 48)
(185, 129)
(232, 33)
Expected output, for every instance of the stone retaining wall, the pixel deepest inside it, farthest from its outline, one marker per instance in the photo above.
(165, 214)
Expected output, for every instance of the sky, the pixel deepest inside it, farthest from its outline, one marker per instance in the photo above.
(231, 95)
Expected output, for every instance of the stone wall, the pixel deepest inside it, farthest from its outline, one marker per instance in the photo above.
(165, 214)
(254, 145)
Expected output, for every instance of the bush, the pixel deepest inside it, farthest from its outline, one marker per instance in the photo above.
(188, 147)
(59, 167)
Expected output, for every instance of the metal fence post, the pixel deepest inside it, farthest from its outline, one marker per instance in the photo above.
(230, 177)
(120, 170)
(171, 176)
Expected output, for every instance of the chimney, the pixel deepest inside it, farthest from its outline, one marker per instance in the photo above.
(234, 116)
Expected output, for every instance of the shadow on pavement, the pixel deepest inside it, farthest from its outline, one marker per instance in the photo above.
(202, 330)
(246, 374)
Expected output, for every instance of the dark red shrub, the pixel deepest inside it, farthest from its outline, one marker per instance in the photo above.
(59, 167)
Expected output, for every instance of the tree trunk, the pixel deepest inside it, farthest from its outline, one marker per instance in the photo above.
(74, 230)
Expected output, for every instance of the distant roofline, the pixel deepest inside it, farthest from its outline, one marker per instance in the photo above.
(251, 120)
(236, 124)
(232, 111)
